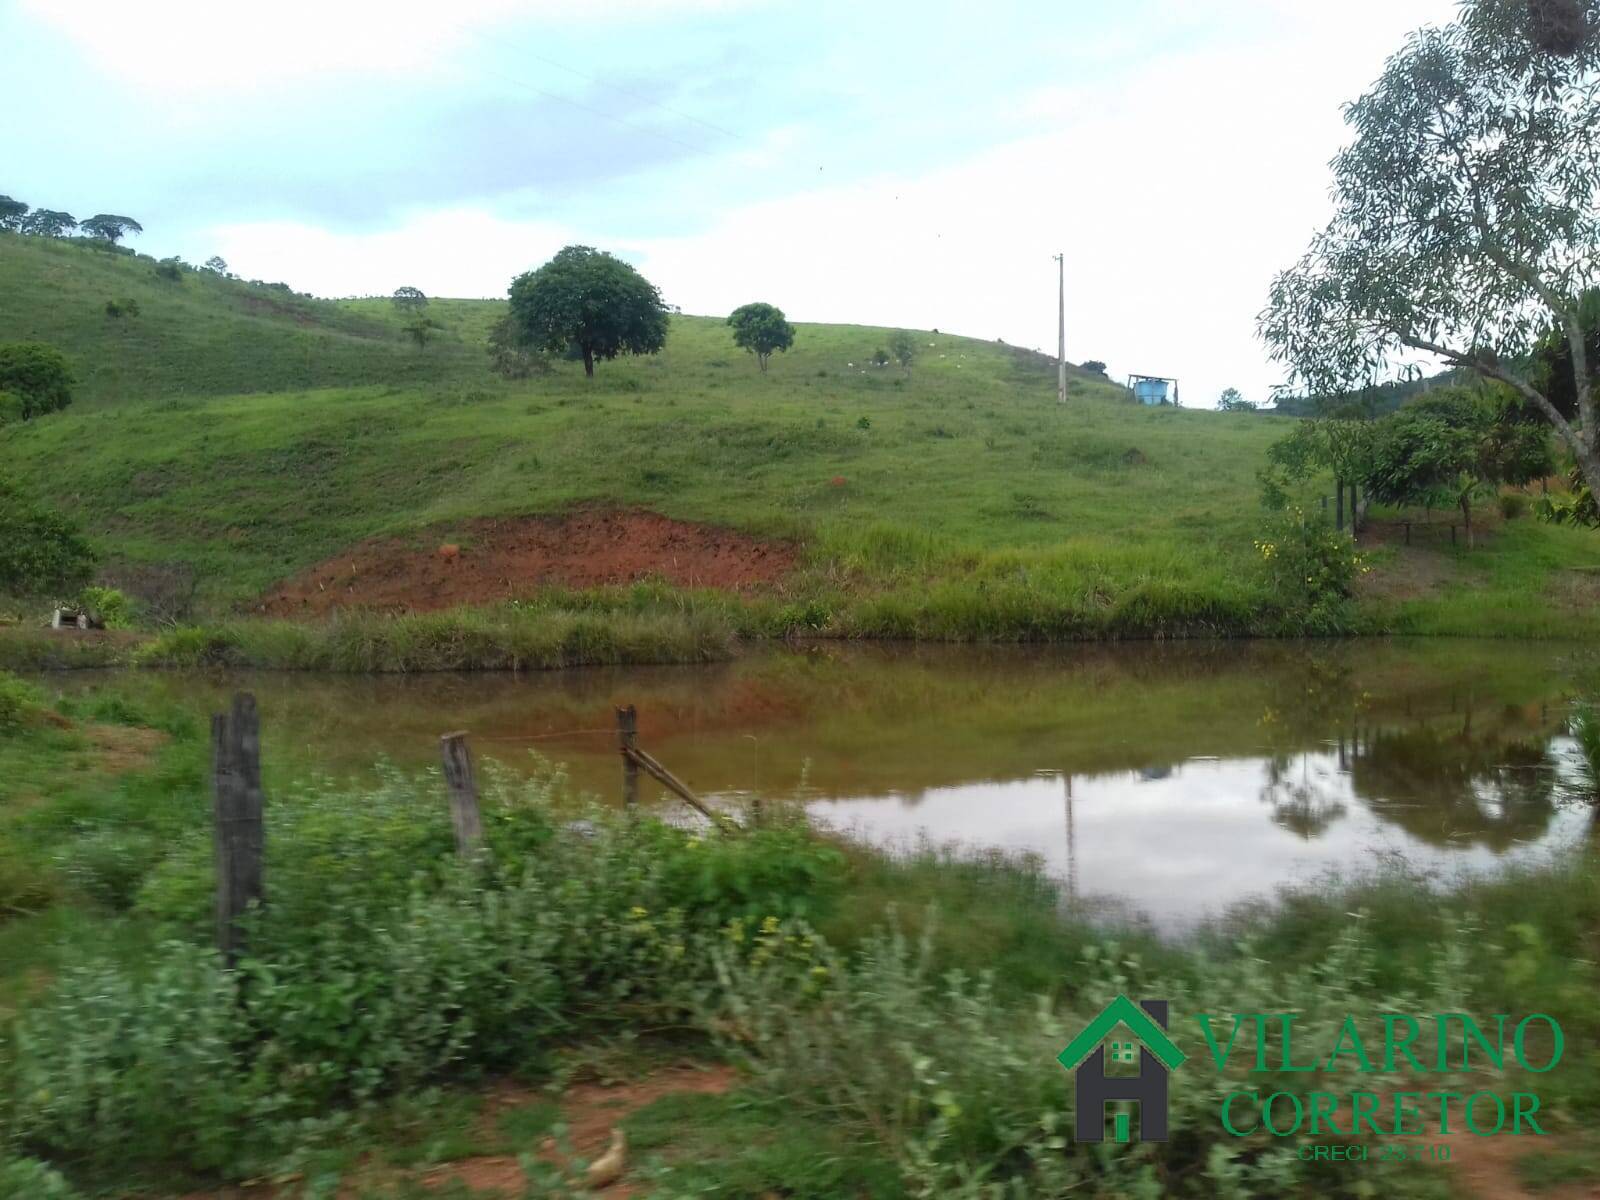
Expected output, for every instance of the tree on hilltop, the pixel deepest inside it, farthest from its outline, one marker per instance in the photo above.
(761, 329)
(11, 213)
(47, 222)
(591, 301)
(409, 299)
(110, 227)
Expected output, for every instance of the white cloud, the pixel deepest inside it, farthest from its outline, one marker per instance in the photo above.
(1176, 191)
(187, 46)
(447, 253)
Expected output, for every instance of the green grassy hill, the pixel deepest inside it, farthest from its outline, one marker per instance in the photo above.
(203, 334)
(254, 433)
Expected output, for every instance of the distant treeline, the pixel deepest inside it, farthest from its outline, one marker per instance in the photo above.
(1374, 401)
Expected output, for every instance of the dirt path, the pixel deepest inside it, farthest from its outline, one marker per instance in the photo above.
(492, 560)
(1486, 1169)
(591, 1111)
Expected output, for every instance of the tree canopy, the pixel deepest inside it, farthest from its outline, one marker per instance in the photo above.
(109, 227)
(47, 222)
(1467, 214)
(42, 553)
(37, 374)
(591, 301)
(761, 329)
(11, 213)
(409, 299)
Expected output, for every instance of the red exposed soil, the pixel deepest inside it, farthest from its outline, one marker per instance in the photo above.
(492, 560)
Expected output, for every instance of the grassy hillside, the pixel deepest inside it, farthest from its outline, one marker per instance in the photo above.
(956, 499)
(202, 334)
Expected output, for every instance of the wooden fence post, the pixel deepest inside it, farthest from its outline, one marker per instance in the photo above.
(627, 742)
(1338, 520)
(463, 785)
(237, 817)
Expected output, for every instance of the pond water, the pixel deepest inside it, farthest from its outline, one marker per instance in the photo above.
(1159, 783)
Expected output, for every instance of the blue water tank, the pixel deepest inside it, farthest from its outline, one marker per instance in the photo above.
(1150, 391)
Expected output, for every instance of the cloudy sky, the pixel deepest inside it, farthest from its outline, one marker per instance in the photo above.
(881, 163)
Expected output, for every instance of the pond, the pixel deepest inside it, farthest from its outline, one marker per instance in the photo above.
(1159, 783)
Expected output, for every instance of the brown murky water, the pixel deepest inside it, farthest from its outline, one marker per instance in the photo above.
(1163, 782)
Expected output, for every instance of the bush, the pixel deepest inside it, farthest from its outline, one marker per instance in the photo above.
(956, 1083)
(29, 1179)
(1311, 566)
(113, 609)
(170, 269)
(38, 374)
(42, 554)
(18, 701)
(1514, 505)
(117, 309)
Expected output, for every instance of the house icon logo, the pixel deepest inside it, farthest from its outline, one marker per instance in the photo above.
(1140, 1028)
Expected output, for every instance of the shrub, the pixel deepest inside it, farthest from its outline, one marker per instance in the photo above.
(110, 606)
(170, 269)
(117, 309)
(30, 1179)
(1311, 566)
(38, 374)
(18, 701)
(1514, 505)
(42, 554)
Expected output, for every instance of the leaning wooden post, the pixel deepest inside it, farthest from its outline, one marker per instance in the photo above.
(1338, 520)
(627, 743)
(463, 785)
(237, 817)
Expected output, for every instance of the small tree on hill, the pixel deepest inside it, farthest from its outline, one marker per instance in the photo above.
(904, 348)
(42, 553)
(590, 300)
(509, 356)
(217, 265)
(409, 299)
(12, 213)
(761, 329)
(38, 374)
(46, 222)
(1339, 445)
(1232, 400)
(110, 227)
(421, 330)
(1095, 367)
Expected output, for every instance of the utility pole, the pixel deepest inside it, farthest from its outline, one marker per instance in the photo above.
(1061, 319)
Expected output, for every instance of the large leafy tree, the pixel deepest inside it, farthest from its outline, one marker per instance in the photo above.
(591, 301)
(11, 213)
(47, 222)
(409, 299)
(1466, 221)
(42, 553)
(761, 329)
(38, 375)
(109, 227)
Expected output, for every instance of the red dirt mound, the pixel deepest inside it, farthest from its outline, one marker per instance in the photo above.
(492, 560)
